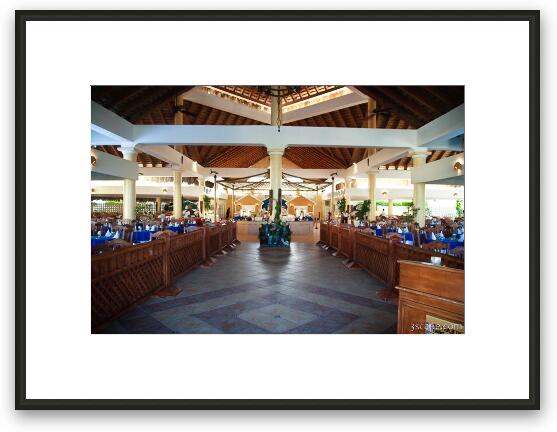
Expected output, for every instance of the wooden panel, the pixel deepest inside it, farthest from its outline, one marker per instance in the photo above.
(441, 281)
(427, 290)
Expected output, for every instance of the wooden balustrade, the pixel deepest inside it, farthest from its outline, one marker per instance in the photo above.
(374, 254)
(345, 241)
(378, 255)
(129, 276)
(333, 234)
(212, 240)
(324, 232)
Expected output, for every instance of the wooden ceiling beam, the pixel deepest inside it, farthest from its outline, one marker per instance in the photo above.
(385, 102)
(166, 95)
(418, 110)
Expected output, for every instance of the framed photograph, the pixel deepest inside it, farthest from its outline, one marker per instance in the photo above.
(278, 211)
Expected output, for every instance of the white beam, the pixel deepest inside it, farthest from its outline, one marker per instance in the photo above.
(382, 157)
(110, 125)
(327, 106)
(201, 97)
(175, 158)
(269, 136)
(441, 171)
(112, 167)
(439, 133)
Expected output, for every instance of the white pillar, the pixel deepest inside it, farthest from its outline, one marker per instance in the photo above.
(158, 205)
(418, 159)
(216, 198)
(371, 182)
(201, 180)
(347, 192)
(390, 210)
(275, 157)
(177, 195)
(129, 199)
(332, 210)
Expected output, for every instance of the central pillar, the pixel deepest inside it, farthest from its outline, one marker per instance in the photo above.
(157, 205)
(371, 182)
(275, 158)
(275, 154)
(390, 208)
(128, 211)
(177, 195)
(419, 159)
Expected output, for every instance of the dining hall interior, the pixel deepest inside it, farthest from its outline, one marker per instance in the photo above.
(277, 209)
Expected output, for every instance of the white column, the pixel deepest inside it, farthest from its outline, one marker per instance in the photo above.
(418, 159)
(177, 195)
(371, 182)
(216, 199)
(390, 208)
(275, 157)
(201, 180)
(129, 154)
(347, 192)
(158, 205)
(332, 210)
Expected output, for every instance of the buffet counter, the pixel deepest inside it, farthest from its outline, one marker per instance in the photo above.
(252, 228)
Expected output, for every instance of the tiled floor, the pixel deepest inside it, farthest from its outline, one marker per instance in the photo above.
(304, 290)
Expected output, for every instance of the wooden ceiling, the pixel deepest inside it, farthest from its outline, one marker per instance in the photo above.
(417, 105)
(398, 107)
(406, 162)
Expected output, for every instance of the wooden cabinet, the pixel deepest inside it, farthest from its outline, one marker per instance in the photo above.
(431, 298)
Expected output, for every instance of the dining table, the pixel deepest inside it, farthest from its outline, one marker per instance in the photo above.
(141, 236)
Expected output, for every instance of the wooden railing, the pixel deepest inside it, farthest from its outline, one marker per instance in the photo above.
(324, 232)
(212, 240)
(333, 233)
(374, 254)
(185, 252)
(345, 246)
(125, 277)
(378, 255)
(129, 276)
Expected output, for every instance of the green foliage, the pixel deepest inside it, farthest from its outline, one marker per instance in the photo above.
(207, 203)
(341, 205)
(276, 233)
(459, 208)
(362, 209)
(277, 212)
(409, 216)
(144, 208)
(385, 203)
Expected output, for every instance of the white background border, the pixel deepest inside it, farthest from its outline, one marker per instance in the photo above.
(65, 361)
(293, 420)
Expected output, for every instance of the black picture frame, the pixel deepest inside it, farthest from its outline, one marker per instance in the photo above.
(530, 16)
